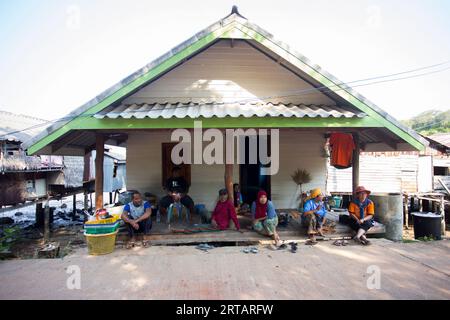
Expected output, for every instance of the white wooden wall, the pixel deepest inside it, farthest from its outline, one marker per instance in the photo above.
(225, 73)
(378, 174)
(297, 150)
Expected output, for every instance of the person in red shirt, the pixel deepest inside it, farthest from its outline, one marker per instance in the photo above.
(224, 215)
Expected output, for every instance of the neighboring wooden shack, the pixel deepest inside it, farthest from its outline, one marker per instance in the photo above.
(114, 170)
(25, 178)
(230, 75)
(398, 171)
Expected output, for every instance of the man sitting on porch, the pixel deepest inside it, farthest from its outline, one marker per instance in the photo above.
(137, 216)
(177, 189)
(314, 213)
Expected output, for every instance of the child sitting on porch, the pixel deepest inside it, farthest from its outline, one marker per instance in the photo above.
(224, 215)
(237, 196)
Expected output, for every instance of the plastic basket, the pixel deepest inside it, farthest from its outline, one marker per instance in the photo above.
(112, 220)
(99, 244)
(101, 228)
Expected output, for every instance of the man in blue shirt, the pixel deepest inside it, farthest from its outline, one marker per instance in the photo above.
(137, 216)
(314, 213)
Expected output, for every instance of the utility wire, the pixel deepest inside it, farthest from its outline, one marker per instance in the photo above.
(340, 86)
(431, 124)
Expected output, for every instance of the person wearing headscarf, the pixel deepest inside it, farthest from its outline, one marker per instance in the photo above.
(224, 215)
(265, 219)
(314, 213)
(362, 211)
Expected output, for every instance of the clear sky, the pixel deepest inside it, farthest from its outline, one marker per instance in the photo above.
(57, 55)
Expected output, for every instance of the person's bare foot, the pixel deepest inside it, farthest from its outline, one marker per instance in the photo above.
(320, 233)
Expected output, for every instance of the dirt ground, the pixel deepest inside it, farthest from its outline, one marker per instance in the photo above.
(384, 270)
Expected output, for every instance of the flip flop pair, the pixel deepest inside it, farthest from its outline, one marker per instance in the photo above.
(252, 250)
(310, 242)
(340, 243)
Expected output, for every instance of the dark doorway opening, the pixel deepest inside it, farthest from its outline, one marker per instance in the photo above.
(250, 178)
(168, 165)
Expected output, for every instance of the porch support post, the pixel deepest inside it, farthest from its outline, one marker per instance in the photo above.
(47, 221)
(355, 165)
(74, 205)
(100, 152)
(229, 181)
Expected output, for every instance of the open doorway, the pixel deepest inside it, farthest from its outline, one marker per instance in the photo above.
(250, 178)
(168, 165)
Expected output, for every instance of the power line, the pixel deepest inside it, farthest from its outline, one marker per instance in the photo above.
(429, 125)
(295, 94)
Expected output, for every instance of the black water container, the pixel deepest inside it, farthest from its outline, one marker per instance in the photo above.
(427, 224)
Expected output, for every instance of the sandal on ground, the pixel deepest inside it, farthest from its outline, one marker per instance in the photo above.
(338, 243)
(358, 240)
(254, 250)
(365, 242)
(282, 246)
(311, 242)
(129, 245)
(145, 243)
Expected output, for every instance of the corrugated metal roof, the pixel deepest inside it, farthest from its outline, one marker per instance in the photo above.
(18, 127)
(116, 156)
(442, 138)
(221, 110)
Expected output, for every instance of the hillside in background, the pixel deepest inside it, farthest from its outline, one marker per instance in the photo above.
(430, 122)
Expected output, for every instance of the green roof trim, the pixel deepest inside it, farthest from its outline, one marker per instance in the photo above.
(227, 122)
(232, 26)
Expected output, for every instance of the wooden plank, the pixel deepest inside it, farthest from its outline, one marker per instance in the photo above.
(355, 163)
(229, 236)
(229, 181)
(47, 221)
(100, 153)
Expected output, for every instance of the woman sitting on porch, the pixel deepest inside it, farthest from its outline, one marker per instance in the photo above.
(224, 215)
(314, 213)
(265, 219)
(361, 211)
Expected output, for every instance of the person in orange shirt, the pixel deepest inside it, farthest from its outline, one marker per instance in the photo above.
(361, 211)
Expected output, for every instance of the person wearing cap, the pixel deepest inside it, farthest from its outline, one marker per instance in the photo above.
(224, 215)
(361, 211)
(314, 213)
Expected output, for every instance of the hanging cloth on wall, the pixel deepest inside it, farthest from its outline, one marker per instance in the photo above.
(342, 146)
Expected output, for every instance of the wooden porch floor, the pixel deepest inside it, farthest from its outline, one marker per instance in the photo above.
(162, 235)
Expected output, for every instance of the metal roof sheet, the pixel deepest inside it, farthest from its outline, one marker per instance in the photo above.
(221, 110)
(19, 127)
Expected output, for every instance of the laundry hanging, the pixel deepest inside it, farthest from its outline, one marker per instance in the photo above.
(342, 146)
